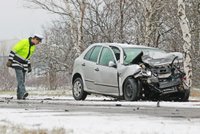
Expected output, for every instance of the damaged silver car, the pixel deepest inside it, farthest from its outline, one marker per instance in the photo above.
(129, 72)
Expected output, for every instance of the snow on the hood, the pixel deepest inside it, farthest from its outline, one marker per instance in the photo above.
(156, 59)
(160, 55)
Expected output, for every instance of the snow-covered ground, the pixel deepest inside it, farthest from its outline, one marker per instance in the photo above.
(98, 122)
(71, 122)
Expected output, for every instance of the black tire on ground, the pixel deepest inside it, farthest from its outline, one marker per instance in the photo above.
(184, 96)
(130, 89)
(78, 90)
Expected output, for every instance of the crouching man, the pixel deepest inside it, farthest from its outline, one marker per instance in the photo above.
(19, 59)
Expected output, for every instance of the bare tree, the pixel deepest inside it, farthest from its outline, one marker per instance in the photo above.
(74, 10)
(152, 10)
(7, 81)
(147, 22)
(184, 23)
(193, 15)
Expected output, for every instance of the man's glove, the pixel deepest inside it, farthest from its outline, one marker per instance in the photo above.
(9, 63)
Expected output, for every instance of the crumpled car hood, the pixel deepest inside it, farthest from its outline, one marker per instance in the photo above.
(162, 59)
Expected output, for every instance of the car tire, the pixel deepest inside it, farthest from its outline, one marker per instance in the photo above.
(78, 90)
(184, 96)
(130, 89)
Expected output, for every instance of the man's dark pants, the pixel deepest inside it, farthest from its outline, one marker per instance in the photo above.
(20, 75)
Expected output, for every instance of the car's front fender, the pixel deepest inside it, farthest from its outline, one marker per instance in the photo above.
(126, 71)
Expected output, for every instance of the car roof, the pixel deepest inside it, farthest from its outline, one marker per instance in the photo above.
(121, 45)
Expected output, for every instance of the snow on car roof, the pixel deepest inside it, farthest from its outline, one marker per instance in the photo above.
(122, 45)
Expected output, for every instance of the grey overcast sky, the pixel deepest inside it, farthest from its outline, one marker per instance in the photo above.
(16, 21)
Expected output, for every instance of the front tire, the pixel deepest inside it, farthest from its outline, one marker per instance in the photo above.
(130, 89)
(78, 90)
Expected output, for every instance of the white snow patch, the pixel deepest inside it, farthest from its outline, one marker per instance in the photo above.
(91, 123)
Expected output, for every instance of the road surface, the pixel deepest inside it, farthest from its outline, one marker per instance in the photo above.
(102, 116)
(161, 109)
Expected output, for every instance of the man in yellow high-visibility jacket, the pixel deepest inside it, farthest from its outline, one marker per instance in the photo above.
(19, 59)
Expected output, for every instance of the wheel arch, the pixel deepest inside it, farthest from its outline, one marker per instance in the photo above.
(76, 75)
(139, 86)
(81, 93)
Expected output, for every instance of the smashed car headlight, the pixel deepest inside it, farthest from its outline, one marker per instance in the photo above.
(146, 73)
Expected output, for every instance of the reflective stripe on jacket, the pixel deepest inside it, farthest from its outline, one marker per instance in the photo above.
(21, 53)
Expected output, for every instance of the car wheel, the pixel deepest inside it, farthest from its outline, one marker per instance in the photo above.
(78, 90)
(130, 89)
(184, 96)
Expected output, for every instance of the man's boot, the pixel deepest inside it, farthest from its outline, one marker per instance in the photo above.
(24, 96)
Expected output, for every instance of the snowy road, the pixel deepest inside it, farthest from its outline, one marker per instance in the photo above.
(99, 115)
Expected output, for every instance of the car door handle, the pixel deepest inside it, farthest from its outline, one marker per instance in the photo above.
(97, 69)
(83, 64)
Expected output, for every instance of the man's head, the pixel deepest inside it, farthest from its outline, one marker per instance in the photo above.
(36, 39)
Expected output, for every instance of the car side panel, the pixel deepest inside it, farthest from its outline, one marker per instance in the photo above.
(88, 74)
(78, 69)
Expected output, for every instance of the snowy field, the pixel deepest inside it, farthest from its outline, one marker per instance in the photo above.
(14, 121)
(50, 121)
(97, 123)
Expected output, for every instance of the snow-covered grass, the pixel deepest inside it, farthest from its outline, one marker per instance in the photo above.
(94, 123)
(195, 93)
(39, 92)
(34, 121)
(9, 128)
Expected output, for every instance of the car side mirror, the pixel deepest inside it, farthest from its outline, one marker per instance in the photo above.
(112, 64)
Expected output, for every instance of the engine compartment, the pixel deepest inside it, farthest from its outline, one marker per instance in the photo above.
(162, 77)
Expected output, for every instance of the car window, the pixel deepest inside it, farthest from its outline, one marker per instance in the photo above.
(95, 53)
(106, 56)
(131, 54)
(87, 55)
(116, 52)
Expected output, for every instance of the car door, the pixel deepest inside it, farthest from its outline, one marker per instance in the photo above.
(106, 79)
(88, 66)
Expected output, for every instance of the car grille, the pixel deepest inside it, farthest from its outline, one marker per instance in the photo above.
(165, 78)
(165, 83)
(162, 71)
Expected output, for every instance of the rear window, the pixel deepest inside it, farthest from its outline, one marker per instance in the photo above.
(93, 53)
(87, 55)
